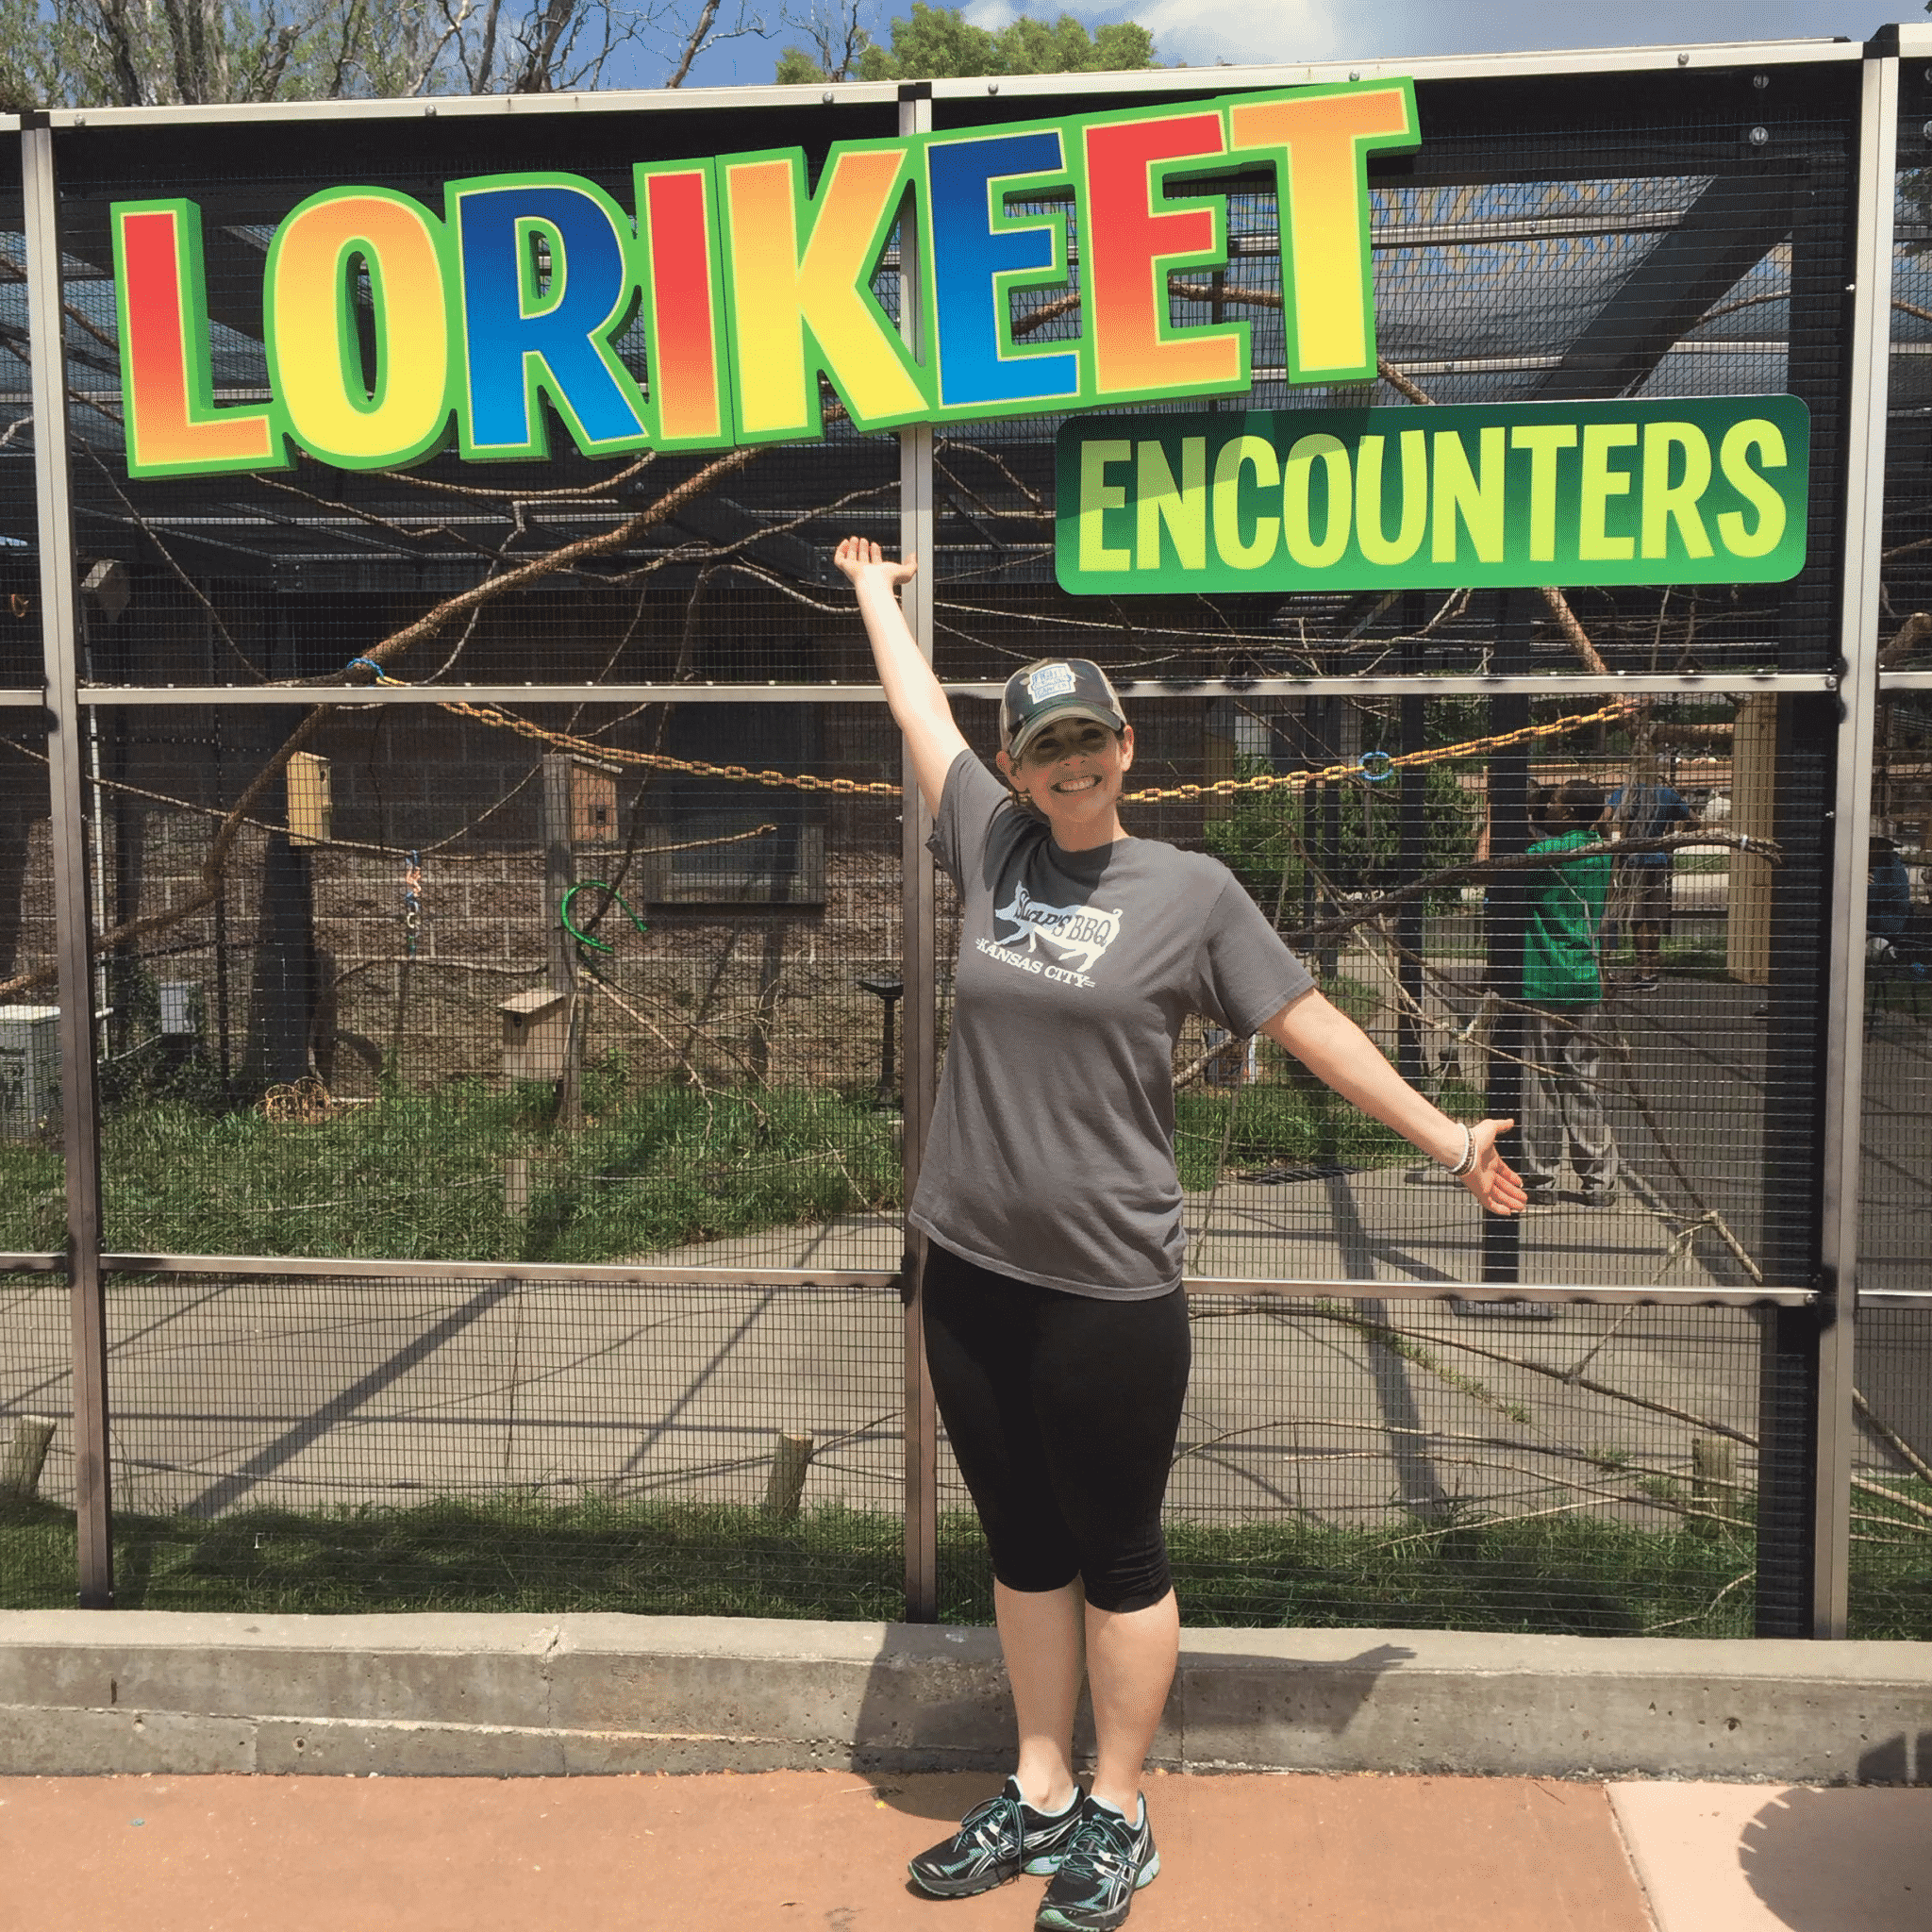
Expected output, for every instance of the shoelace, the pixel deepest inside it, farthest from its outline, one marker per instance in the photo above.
(1102, 1852)
(990, 1826)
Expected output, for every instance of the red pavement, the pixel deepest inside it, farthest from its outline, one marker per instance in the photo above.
(782, 1852)
(825, 1852)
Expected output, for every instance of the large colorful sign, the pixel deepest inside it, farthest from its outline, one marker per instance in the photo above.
(1710, 490)
(747, 283)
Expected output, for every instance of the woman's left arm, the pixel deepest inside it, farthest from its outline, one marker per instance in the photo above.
(1340, 1055)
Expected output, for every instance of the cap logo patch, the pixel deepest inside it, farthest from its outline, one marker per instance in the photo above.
(1050, 681)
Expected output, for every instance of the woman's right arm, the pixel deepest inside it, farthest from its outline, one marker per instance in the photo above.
(918, 706)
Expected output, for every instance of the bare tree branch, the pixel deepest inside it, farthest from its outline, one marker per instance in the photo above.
(694, 41)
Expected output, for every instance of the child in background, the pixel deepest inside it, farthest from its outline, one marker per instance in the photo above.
(1563, 988)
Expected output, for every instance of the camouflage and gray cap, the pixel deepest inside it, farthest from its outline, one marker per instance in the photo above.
(1054, 687)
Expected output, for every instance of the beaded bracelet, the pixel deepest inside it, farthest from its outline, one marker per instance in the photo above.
(1467, 1164)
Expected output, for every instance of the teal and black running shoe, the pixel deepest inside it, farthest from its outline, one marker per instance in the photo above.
(1108, 1861)
(995, 1841)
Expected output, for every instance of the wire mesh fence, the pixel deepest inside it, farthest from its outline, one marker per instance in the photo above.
(337, 1014)
(1705, 970)
(1897, 1146)
(1904, 634)
(1388, 1463)
(19, 648)
(1552, 238)
(352, 1442)
(556, 569)
(515, 1002)
(32, 1210)
(1891, 1483)
(539, 983)
(37, 1522)
(1891, 1486)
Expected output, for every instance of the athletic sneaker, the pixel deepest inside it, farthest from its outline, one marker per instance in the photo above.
(1108, 1862)
(995, 1841)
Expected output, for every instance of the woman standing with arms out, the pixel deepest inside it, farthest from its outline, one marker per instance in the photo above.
(1056, 1329)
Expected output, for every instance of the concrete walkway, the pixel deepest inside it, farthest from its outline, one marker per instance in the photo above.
(825, 1851)
(242, 1389)
(197, 1773)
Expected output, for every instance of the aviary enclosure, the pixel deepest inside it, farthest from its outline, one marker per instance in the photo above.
(472, 983)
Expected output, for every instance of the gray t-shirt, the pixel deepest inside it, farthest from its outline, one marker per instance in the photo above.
(1052, 1150)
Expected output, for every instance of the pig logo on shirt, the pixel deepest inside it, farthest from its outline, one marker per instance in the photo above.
(1071, 932)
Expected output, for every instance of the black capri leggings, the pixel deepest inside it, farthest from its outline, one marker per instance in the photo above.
(1063, 1410)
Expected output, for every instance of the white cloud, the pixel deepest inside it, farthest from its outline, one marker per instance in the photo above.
(1203, 31)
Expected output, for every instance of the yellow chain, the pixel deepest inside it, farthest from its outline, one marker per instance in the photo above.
(855, 788)
(1296, 781)
(660, 761)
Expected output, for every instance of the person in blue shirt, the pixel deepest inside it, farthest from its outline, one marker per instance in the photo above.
(1643, 878)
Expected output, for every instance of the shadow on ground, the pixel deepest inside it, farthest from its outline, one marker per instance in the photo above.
(969, 1736)
(1847, 1860)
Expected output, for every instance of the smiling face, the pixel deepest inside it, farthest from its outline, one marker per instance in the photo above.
(1071, 772)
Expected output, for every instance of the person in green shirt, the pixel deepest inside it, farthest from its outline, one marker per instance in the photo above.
(1563, 990)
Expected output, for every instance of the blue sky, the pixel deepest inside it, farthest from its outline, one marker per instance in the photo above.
(1201, 32)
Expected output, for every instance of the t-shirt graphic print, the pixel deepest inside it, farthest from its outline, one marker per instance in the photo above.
(1051, 1158)
(1075, 935)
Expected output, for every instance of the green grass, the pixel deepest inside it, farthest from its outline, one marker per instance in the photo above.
(1576, 1576)
(421, 1175)
(1699, 957)
(33, 1210)
(1292, 1123)
(1695, 958)
(1583, 1577)
(504, 1552)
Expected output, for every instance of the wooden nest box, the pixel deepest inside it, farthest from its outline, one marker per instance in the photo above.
(310, 806)
(536, 1029)
(592, 803)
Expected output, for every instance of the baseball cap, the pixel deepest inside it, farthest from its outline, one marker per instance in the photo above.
(1054, 687)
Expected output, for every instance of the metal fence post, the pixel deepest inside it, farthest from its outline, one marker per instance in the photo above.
(66, 758)
(1870, 370)
(1504, 929)
(919, 966)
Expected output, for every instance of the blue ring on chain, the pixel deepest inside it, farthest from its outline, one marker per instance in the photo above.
(1374, 766)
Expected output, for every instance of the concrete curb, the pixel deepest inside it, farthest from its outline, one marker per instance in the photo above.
(468, 1695)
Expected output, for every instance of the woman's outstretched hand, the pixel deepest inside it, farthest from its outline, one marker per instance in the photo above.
(1492, 1180)
(863, 560)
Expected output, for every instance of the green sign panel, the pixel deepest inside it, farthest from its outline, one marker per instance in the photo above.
(1708, 489)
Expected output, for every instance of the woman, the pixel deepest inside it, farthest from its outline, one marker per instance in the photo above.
(1055, 1331)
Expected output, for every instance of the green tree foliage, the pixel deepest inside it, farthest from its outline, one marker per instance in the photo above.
(939, 43)
(1266, 836)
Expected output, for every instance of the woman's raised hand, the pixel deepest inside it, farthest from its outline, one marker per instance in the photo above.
(920, 707)
(1492, 1180)
(861, 560)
